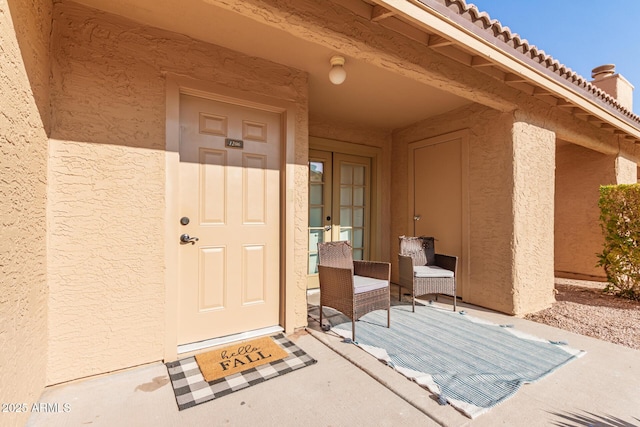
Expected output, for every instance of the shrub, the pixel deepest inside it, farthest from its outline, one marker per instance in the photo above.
(620, 222)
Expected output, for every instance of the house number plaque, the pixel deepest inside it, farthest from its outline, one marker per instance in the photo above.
(234, 143)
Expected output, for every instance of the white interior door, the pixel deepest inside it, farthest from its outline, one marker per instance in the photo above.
(229, 201)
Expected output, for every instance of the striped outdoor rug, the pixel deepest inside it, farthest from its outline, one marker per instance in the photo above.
(471, 364)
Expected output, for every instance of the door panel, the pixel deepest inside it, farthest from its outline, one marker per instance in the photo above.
(351, 211)
(437, 197)
(212, 195)
(320, 188)
(229, 277)
(339, 204)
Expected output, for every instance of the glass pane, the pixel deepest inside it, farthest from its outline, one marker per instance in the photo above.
(315, 217)
(313, 264)
(345, 196)
(316, 170)
(358, 238)
(358, 175)
(358, 196)
(345, 217)
(357, 254)
(315, 194)
(358, 217)
(315, 237)
(345, 234)
(345, 174)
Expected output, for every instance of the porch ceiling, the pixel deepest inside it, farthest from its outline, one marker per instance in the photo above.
(370, 95)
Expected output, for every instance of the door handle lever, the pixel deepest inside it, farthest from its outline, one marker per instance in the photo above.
(185, 238)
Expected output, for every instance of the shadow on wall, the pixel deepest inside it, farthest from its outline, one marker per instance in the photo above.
(32, 24)
(589, 419)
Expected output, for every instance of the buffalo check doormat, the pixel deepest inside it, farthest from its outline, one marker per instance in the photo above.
(191, 389)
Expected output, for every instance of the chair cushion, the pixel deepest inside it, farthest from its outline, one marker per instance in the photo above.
(365, 284)
(420, 249)
(431, 271)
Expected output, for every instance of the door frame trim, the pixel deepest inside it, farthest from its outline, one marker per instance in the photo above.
(463, 135)
(177, 85)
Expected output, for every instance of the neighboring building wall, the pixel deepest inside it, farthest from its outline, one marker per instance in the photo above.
(107, 182)
(578, 238)
(490, 180)
(24, 54)
(626, 169)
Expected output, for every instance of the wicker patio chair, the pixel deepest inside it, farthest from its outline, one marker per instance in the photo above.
(354, 288)
(424, 272)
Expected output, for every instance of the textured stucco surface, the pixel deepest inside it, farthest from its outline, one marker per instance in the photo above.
(626, 169)
(510, 207)
(578, 237)
(24, 39)
(107, 182)
(490, 179)
(504, 238)
(32, 26)
(106, 176)
(533, 210)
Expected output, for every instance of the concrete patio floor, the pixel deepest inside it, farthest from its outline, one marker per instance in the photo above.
(349, 387)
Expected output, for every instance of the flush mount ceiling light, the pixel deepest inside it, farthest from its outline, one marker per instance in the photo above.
(337, 74)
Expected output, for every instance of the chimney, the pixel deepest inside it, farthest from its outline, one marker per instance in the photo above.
(605, 78)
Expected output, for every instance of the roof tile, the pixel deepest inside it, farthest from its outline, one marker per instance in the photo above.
(494, 28)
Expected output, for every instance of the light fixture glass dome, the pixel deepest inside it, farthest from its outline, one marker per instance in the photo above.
(337, 74)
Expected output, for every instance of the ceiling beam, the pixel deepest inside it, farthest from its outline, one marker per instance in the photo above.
(438, 41)
(479, 61)
(379, 13)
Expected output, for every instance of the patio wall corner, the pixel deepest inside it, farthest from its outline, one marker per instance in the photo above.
(490, 215)
(24, 37)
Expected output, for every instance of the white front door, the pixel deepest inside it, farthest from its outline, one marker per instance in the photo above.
(229, 184)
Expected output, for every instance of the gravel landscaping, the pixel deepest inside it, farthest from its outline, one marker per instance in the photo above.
(583, 308)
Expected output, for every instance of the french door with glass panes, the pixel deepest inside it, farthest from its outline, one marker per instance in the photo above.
(339, 204)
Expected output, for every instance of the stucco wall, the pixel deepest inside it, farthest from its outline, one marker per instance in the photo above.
(24, 39)
(578, 237)
(533, 207)
(32, 25)
(107, 182)
(490, 182)
(626, 169)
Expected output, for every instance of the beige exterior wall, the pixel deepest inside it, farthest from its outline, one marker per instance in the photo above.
(106, 177)
(491, 217)
(32, 26)
(107, 183)
(578, 238)
(533, 209)
(24, 37)
(510, 207)
(626, 170)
